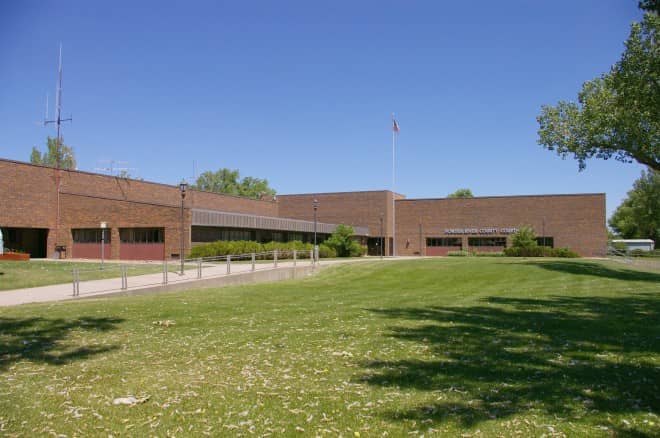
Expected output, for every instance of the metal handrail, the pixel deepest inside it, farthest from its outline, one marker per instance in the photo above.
(275, 256)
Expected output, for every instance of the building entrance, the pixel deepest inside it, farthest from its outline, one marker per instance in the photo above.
(27, 240)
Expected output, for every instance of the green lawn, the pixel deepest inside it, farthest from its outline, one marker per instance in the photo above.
(18, 275)
(447, 347)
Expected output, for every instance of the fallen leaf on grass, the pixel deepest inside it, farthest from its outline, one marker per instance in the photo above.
(130, 400)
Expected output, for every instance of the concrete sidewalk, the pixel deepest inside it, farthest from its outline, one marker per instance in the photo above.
(213, 275)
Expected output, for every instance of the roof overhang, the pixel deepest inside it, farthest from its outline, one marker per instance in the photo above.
(213, 218)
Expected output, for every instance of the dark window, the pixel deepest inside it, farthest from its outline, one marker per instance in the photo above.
(90, 235)
(294, 236)
(546, 241)
(142, 235)
(443, 241)
(213, 234)
(487, 241)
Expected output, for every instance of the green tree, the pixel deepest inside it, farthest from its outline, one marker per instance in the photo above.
(524, 238)
(461, 193)
(254, 187)
(228, 181)
(650, 5)
(638, 216)
(618, 114)
(64, 155)
(342, 242)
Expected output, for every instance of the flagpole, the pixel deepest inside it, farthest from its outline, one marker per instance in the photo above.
(394, 132)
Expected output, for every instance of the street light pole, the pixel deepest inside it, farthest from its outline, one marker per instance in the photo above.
(382, 241)
(183, 186)
(316, 250)
(103, 226)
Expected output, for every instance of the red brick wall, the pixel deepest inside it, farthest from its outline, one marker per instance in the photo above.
(575, 221)
(349, 208)
(30, 201)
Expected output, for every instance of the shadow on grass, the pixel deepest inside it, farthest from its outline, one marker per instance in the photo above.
(597, 270)
(45, 340)
(566, 357)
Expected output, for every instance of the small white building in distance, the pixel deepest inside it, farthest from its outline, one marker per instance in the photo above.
(636, 244)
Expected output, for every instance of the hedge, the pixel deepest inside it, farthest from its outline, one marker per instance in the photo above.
(540, 251)
(236, 247)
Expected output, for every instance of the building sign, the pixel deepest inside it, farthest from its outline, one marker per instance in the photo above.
(486, 230)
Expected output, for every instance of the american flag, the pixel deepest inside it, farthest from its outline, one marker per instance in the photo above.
(395, 125)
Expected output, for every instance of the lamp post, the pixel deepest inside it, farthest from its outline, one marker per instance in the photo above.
(103, 227)
(316, 250)
(183, 186)
(382, 241)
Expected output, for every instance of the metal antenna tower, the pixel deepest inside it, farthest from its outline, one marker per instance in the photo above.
(58, 178)
(58, 111)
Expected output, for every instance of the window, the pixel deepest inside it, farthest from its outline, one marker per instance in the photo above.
(213, 234)
(443, 241)
(487, 241)
(142, 235)
(546, 241)
(89, 235)
(295, 236)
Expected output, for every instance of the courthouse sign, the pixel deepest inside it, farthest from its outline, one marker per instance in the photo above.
(486, 230)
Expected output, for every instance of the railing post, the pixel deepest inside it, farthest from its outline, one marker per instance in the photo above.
(124, 279)
(165, 271)
(76, 284)
(199, 268)
(275, 258)
(253, 256)
(295, 256)
(228, 264)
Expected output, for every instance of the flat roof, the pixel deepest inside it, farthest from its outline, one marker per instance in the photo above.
(500, 196)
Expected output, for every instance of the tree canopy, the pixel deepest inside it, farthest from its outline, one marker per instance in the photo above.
(617, 114)
(228, 181)
(638, 216)
(63, 154)
(342, 242)
(461, 193)
(524, 238)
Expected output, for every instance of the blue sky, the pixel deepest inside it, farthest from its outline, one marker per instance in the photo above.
(301, 92)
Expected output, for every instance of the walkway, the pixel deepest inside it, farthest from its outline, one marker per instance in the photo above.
(213, 275)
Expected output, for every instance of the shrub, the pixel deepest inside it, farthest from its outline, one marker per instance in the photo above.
(540, 251)
(326, 252)
(524, 238)
(460, 253)
(489, 254)
(343, 244)
(564, 252)
(236, 247)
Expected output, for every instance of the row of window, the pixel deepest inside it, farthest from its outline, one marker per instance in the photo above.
(126, 235)
(481, 241)
(90, 235)
(213, 234)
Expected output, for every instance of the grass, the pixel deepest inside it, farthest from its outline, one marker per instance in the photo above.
(19, 275)
(455, 347)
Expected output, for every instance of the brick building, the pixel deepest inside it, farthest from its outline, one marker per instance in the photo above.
(144, 220)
